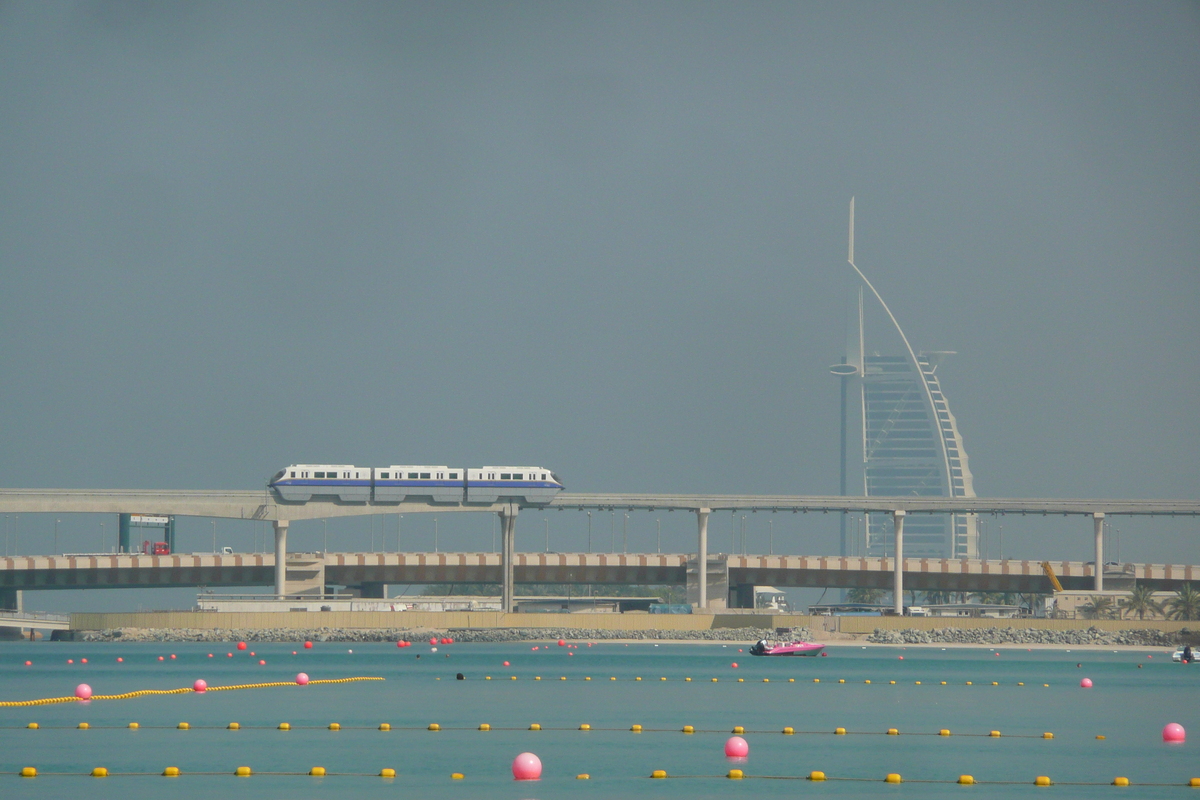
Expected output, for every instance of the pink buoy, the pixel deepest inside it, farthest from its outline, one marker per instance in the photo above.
(399, 644)
(70, 661)
(1086, 683)
(200, 686)
(83, 661)
(433, 640)
(29, 663)
(172, 656)
(533, 648)
(506, 663)
(301, 679)
(901, 658)
(1172, 732)
(734, 665)
(122, 661)
(308, 645)
(210, 655)
(527, 767)
(229, 655)
(262, 663)
(736, 747)
(84, 692)
(160, 658)
(241, 645)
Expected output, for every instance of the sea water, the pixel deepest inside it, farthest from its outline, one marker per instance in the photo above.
(1133, 697)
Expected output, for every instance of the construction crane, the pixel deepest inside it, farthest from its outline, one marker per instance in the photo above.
(1046, 568)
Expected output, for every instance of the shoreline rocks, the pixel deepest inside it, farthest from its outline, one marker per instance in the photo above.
(1140, 638)
(417, 634)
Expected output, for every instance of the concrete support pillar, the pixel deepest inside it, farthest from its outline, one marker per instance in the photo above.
(1098, 525)
(898, 577)
(508, 528)
(281, 526)
(123, 525)
(702, 555)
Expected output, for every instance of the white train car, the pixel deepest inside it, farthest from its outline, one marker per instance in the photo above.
(398, 483)
(525, 485)
(299, 483)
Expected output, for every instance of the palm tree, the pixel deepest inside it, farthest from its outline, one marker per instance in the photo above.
(1141, 602)
(1099, 608)
(865, 595)
(1185, 604)
(938, 598)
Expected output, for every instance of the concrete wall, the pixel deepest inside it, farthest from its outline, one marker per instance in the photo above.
(307, 620)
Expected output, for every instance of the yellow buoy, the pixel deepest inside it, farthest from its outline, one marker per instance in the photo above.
(513, 678)
(1101, 736)
(1194, 782)
(583, 776)
(893, 732)
(585, 727)
(1120, 782)
(335, 726)
(233, 726)
(383, 726)
(83, 726)
(33, 726)
(535, 727)
(1042, 780)
(966, 780)
(994, 734)
(788, 731)
(738, 729)
(285, 726)
(866, 681)
(658, 773)
(456, 776)
(171, 772)
(613, 678)
(636, 729)
(100, 772)
(791, 680)
(894, 777)
(741, 680)
(714, 680)
(688, 729)
(687, 680)
(943, 683)
(483, 726)
(387, 772)
(918, 683)
(317, 772)
(893, 683)
(995, 683)
(1047, 735)
(735, 774)
(637, 679)
(969, 683)
(242, 772)
(537, 677)
(183, 726)
(839, 731)
(587, 679)
(133, 726)
(1020, 683)
(841, 680)
(816, 775)
(563, 678)
(487, 677)
(816, 680)
(944, 732)
(433, 726)
(28, 772)
(766, 680)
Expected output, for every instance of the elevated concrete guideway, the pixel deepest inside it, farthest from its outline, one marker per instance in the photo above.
(264, 505)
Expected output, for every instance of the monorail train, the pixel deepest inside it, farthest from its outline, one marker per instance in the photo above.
(299, 483)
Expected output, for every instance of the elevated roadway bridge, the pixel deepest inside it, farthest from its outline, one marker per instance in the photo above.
(264, 505)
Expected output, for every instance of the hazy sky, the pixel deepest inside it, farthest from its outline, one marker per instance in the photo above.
(608, 238)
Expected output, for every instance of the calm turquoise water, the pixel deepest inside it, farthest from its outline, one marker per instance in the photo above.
(1128, 705)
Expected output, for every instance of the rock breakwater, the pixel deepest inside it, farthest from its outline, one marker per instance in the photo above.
(1093, 635)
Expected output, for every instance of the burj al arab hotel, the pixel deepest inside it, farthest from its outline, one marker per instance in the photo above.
(899, 438)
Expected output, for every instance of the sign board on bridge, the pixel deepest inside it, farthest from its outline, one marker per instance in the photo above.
(145, 519)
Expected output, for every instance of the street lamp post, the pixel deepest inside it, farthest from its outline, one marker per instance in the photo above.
(56, 535)
(625, 534)
(589, 532)
(613, 515)
(214, 531)
(435, 535)
(771, 551)
(325, 525)
(547, 522)
(659, 521)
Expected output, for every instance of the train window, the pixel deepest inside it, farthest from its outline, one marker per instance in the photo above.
(453, 476)
(412, 475)
(543, 476)
(384, 475)
(506, 476)
(424, 476)
(318, 474)
(293, 474)
(516, 476)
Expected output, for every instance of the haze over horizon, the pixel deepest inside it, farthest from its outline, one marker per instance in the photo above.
(608, 238)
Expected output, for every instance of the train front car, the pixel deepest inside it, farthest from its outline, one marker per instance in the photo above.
(300, 483)
(400, 483)
(529, 486)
